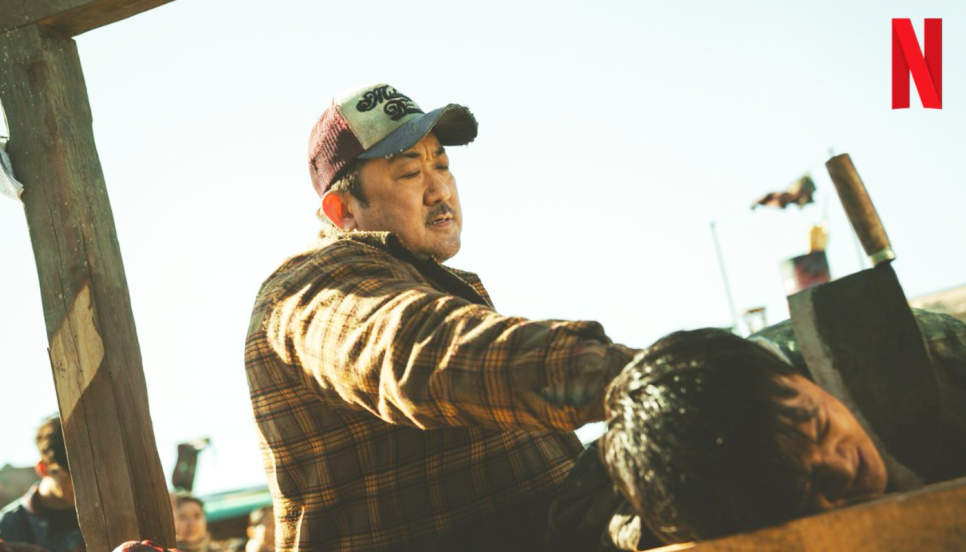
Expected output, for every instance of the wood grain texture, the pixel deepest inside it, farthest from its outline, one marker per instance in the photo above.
(932, 519)
(119, 485)
(70, 17)
(857, 203)
(76, 351)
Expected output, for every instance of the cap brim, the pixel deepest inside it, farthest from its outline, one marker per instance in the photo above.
(454, 125)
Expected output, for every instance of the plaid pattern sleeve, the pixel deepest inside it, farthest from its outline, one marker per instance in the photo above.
(376, 335)
(397, 410)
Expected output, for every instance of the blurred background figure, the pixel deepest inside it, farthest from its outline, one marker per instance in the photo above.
(191, 525)
(261, 530)
(45, 516)
(20, 547)
(139, 546)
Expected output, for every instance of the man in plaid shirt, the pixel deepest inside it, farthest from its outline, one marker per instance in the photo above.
(397, 410)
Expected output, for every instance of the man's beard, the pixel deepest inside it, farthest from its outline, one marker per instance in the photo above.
(451, 246)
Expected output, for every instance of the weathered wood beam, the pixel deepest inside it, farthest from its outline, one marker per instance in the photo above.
(70, 17)
(119, 485)
(932, 519)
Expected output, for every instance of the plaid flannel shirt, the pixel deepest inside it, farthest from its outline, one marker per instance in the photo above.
(397, 410)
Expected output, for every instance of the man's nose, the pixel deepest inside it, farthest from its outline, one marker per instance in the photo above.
(834, 476)
(437, 188)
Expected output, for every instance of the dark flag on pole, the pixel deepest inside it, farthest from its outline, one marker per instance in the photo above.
(800, 193)
(183, 478)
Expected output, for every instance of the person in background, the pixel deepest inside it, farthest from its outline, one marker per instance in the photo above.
(261, 530)
(135, 546)
(20, 547)
(45, 516)
(191, 525)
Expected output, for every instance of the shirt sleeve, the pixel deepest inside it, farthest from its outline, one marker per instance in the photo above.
(369, 335)
(12, 524)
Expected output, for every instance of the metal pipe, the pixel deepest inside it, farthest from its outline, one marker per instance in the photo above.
(724, 277)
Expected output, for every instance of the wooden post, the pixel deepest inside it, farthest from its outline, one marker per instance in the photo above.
(119, 484)
(70, 17)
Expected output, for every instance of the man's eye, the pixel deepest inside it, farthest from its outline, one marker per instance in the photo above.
(410, 176)
(443, 167)
(821, 427)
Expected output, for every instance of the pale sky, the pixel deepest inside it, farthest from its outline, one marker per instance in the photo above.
(612, 133)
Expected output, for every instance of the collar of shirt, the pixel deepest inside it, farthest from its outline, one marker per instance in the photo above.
(454, 281)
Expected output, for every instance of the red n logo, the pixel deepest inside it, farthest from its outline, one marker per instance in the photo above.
(926, 68)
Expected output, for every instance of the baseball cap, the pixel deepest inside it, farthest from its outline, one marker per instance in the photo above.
(378, 121)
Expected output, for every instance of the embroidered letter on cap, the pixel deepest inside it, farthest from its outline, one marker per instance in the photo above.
(397, 104)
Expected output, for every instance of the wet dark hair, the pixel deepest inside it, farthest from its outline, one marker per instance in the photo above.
(700, 441)
(50, 443)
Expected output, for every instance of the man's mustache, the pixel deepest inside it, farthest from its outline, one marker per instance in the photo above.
(438, 211)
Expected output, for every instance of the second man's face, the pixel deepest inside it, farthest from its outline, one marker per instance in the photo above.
(844, 463)
(413, 194)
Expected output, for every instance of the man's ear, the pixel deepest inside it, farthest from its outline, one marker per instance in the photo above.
(41, 468)
(335, 205)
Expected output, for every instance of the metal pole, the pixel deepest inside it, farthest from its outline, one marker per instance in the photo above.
(724, 277)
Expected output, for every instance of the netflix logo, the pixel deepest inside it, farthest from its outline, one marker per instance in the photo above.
(925, 65)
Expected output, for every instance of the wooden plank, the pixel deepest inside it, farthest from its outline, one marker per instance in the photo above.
(932, 519)
(70, 17)
(119, 485)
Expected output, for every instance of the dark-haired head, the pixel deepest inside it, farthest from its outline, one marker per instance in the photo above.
(702, 440)
(190, 523)
(187, 498)
(50, 443)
